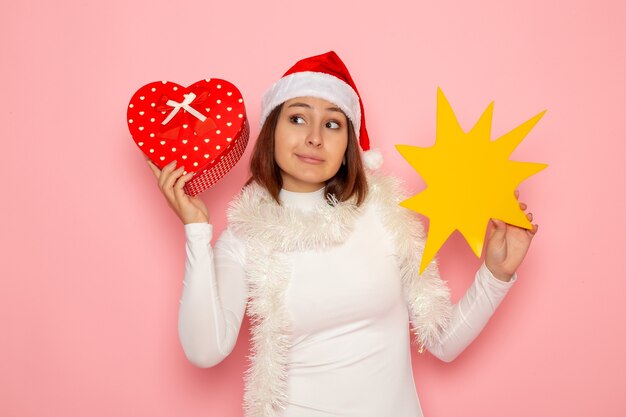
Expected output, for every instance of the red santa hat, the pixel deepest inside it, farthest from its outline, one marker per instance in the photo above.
(324, 76)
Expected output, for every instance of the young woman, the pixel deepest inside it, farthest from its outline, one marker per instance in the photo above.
(326, 262)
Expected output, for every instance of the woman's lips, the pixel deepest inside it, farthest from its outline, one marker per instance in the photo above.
(310, 159)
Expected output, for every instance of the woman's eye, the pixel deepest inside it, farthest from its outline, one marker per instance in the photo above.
(296, 120)
(333, 125)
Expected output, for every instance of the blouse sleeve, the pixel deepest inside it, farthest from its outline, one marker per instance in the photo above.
(471, 314)
(214, 295)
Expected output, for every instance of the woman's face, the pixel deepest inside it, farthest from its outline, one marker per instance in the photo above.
(310, 142)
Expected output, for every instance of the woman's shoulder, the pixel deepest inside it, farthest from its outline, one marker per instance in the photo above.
(245, 208)
(230, 245)
(386, 192)
(249, 195)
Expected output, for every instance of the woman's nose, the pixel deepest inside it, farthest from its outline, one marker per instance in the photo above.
(314, 137)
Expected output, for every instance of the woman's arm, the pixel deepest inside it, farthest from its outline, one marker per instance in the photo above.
(471, 314)
(506, 247)
(214, 292)
(214, 296)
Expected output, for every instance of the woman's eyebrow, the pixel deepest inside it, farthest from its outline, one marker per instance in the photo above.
(298, 104)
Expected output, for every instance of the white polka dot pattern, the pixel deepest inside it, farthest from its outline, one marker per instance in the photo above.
(203, 181)
(208, 145)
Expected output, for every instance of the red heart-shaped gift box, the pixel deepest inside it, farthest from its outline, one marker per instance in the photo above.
(203, 127)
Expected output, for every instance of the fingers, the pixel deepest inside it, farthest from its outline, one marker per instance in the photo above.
(173, 177)
(498, 226)
(165, 173)
(523, 207)
(179, 193)
(172, 181)
(167, 178)
(155, 170)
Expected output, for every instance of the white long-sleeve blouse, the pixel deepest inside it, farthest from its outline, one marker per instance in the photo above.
(350, 353)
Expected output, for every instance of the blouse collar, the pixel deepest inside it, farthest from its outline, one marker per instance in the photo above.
(303, 201)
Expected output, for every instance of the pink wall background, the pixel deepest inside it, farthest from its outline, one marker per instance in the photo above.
(92, 257)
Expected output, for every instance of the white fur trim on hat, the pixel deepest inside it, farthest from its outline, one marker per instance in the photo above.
(314, 84)
(372, 159)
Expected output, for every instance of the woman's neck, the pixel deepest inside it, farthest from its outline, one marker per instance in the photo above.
(304, 201)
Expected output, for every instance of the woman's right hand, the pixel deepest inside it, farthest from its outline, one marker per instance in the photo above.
(171, 183)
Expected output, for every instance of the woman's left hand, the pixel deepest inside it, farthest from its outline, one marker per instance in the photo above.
(507, 246)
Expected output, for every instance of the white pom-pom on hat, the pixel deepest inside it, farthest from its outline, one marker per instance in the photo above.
(324, 76)
(372, 159)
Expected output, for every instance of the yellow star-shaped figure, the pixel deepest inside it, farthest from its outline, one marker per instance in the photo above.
(469, 179)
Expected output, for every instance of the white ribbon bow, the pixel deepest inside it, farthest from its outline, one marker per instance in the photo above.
(185, 104)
